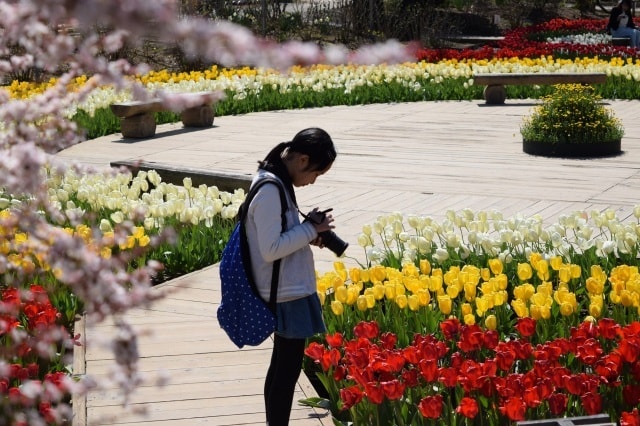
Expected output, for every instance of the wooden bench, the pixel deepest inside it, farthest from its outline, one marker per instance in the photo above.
(137, 119)
(495, 93)
(595, 420)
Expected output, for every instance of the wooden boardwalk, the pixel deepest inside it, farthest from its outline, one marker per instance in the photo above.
(421, 158)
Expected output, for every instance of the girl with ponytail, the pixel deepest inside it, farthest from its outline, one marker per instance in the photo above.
(296, 163)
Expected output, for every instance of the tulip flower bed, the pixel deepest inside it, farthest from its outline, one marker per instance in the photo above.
(443, 74)
(451, 323)
(131, 211)
(29, 321)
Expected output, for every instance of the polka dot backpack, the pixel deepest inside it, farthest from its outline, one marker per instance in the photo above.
(243, 314)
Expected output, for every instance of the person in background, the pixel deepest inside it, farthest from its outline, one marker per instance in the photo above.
(621, 23)
(296, 163)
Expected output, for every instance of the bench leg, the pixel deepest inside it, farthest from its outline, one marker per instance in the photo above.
(201, 116)
(138, 126)
(495, 94)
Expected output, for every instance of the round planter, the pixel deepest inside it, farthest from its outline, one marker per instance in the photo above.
(572, 150)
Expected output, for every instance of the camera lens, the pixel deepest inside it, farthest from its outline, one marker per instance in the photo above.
(334, 243)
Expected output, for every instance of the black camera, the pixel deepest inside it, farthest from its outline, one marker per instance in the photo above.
(329, 238)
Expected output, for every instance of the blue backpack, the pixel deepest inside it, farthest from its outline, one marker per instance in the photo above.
(243, 314)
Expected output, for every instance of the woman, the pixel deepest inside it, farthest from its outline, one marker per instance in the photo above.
(621, 23)
(296, 163)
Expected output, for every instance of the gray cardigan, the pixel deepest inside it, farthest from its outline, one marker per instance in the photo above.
(267, 244)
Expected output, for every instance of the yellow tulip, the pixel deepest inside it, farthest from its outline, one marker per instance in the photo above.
(435, 283)
(520, 308)
(556, 263)
(341, 294)
(500, 298)
(545, 287)
(410, 270)
(453, 291)
(483, 304)
(524, 291)
(390, 291)
(337, 308)
(496, 266)
(576, 271)
(469, 319)
(534, 258)
(424, 297)
(564, 273)
(444, 304)
(377, 273)
(425, 266)
(352, 294)
(626, 298)
(491, 322)
(525, 272)
(401, 301)
(355, 274)
(485, 273)
(361, 303)
(594, 286)
(566, 309)
(545, 312)
(470, 290)
(542, 269)
(466, 309)
(371, 300)
(502, 281)
(322, 296)
(378, 291)
(414, 302)
(536, 312)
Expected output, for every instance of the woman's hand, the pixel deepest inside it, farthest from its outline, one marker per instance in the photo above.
(322, 220)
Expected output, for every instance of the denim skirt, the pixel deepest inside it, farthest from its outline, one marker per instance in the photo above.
(300, 318)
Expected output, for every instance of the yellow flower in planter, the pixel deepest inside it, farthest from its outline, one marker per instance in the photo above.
(525, 272)
(572, 122)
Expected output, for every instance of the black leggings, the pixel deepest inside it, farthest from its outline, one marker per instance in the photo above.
(282, 376)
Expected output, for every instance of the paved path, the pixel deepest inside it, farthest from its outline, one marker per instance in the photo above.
(422, 158)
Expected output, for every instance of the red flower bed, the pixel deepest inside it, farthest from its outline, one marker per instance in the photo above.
(596, 369)
(32, 373)
(529, 42)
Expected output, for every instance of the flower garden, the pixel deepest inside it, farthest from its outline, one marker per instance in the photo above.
(478, 319)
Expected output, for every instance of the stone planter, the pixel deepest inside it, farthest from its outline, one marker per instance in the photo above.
(572, 150)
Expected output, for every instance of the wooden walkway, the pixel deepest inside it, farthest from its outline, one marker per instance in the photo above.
(422, 158)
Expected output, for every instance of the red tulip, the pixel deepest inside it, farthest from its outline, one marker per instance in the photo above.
(393, 389)
(468, 407)
(608, 328)
(630, 419)
(374, 393)
(429, 369)
(388, 340)
(514, 408)
(335, 340)
(350, 396)
(431, 406)
(526, 326)
(631, 394)
(557, 403)
(450, 328)
(592, 403)
(368, 330)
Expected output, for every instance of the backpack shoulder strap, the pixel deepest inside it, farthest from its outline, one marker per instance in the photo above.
(275, 275)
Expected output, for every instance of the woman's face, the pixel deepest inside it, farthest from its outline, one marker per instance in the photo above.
(301, 173)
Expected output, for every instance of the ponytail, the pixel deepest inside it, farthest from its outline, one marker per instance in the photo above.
(313, 142)
(274, 156)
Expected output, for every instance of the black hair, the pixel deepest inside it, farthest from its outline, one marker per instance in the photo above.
(313, 142)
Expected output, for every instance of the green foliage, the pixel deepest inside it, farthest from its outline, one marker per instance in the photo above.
(572, 114)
